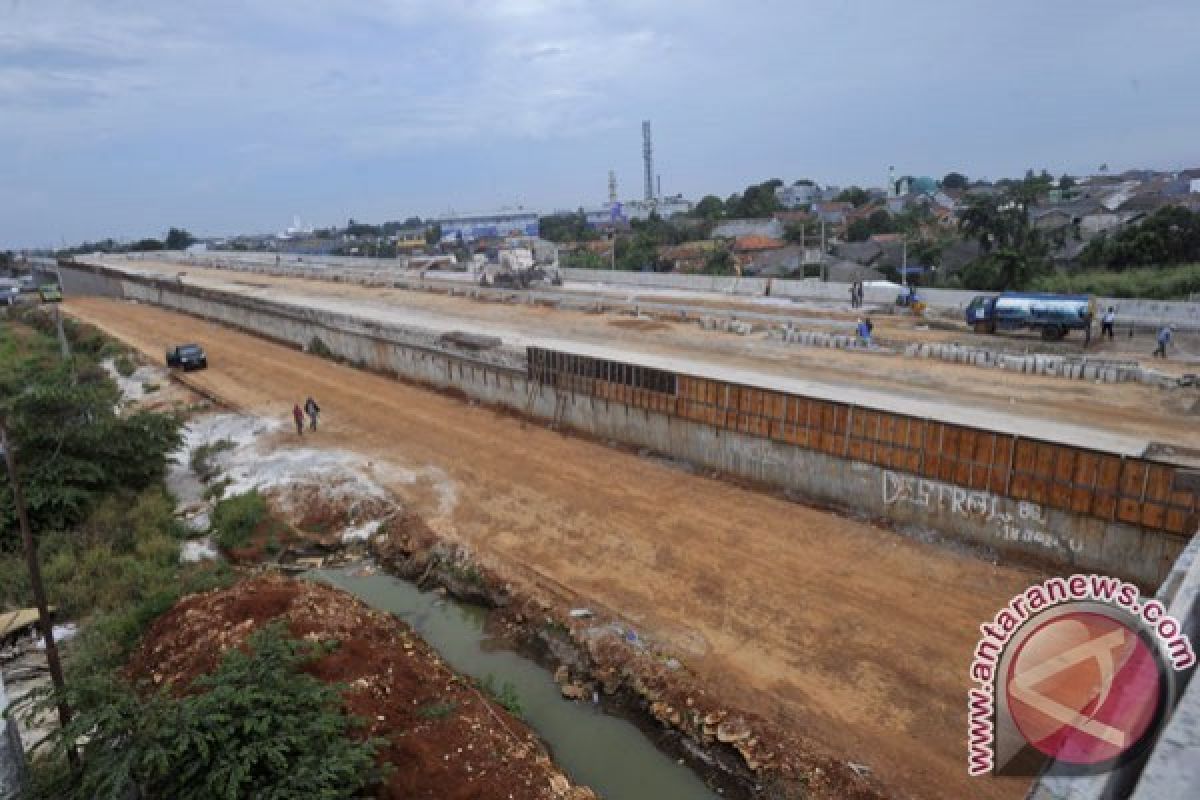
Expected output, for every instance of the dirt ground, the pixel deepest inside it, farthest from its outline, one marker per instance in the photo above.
(857, 638)
(445, 739)
(1131, 409)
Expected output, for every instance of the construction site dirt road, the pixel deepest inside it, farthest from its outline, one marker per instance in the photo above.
(857, 638)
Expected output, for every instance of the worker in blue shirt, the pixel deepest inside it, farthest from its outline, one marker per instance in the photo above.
(1164, 338)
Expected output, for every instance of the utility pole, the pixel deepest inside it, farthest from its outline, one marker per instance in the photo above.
(39, 590)
(63, 345)
(904, 261)
(824, 266)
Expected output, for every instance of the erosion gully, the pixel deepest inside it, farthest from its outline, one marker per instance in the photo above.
(609, 754)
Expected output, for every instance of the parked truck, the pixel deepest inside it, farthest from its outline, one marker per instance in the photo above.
(1055, 315)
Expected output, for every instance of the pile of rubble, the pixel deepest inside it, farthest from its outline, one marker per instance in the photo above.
(1080, 368)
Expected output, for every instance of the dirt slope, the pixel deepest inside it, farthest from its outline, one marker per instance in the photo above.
(466, 748)
(853, 636)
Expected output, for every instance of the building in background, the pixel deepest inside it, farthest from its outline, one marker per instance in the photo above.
(665, 207)
(497, 225)
(797, 195)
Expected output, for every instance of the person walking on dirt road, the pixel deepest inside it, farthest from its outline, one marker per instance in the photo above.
(298, 415)
(312, 409)
(1164, 339)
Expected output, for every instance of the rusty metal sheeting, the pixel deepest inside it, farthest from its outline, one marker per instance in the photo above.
(1107, 486)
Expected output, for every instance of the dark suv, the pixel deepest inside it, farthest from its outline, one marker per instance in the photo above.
(187, 356)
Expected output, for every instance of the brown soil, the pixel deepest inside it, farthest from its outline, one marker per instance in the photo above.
(444, 738)
(854, 638)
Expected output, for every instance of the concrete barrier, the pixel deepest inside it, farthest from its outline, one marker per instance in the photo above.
(12, 754)
(913, 504)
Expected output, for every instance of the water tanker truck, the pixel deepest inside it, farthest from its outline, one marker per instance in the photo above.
(1055, 315)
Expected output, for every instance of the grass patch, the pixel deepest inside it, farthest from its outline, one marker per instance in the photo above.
(201, 458)
(150, 387)
(437, 710)
(1156, 283)
(505, 694)
(235, 519)
(117, 571)
(467, 573)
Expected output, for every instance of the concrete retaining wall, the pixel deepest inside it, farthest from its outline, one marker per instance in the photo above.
(1149, 313)
(913, 504)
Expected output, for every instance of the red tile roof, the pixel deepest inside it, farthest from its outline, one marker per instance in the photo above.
(744, 244)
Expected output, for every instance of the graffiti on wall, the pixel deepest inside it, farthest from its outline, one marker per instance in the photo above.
(1014, 521)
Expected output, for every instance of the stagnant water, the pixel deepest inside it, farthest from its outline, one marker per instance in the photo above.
(609, 754)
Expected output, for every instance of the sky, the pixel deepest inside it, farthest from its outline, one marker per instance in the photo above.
(125, 117)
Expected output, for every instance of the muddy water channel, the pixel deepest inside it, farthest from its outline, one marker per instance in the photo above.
(610, 755)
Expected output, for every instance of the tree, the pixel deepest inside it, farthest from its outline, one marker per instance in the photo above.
(145, 245)
(955, 180)
(756, 202)
(1067, 182)
(568, 227)
(797, 232)
(259, 726)
(1171, 235)
(179, 239)
(433, 234)
(720, 262)
(73, 445)
(710, 207)
(855, 195)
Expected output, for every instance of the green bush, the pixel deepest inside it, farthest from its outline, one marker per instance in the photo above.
(505, 694)
(201, 458)
(235, 518)
(258, 727)
(1156, 283)
(124, 365)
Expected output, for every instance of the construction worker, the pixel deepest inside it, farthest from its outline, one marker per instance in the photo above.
(298, 416)
(1107, 321)
(1164, 339)
(312, 409)
(864, 331)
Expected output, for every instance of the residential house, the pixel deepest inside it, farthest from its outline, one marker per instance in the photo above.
(409, 238)
(849, 272)
(832, 213)
(949, 199)
(865, 253)
(797, 195)
(745, 248)
(792, 217)
(733, 228)
(781, 262)
(1064, 215)
(690, 257)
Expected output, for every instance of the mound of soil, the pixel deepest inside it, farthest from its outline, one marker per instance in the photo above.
(443, 737)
